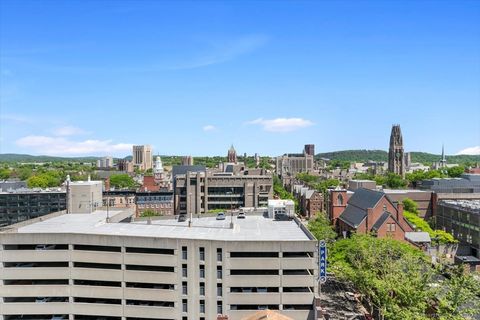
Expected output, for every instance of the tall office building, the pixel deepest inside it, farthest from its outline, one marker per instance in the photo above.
(142, 157)
(396, 156)
(187, 161)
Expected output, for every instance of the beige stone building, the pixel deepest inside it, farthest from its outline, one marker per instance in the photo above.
(79, 266)
(142, 157)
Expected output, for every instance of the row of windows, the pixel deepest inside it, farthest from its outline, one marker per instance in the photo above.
(91, 265)
(166, 304)
(153, 206)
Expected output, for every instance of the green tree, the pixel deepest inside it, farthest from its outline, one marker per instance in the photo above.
(321, 228)
(410, 205)
(455, 172)
(460, 297)
(4, 173)
(149, 213)
(122, 181)
(395, 181)
(391, 275)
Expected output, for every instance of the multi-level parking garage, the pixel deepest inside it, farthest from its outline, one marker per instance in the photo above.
(78, 266)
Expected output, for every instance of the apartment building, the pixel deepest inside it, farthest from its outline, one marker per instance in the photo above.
(162, 269)
(202, 191)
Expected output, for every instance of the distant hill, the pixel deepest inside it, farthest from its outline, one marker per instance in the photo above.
(14, 157)
(381, 155)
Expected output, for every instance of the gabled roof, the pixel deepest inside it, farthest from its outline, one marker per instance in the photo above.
(353, 216)
(381, 220)
(267, 315)
(309, 194)
(365, 198)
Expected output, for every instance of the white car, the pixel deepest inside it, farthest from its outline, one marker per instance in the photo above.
(221, 216)
(241, 215)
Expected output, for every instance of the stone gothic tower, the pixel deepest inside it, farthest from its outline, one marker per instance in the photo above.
(232, 155)
(396, 156)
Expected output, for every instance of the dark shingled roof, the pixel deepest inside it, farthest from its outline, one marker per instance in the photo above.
(365, 198)
(381, 220)
(353, 216)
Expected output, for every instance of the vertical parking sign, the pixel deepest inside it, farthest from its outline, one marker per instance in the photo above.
(322, 261)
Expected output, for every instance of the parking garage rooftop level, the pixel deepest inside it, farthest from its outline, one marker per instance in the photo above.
(252, 228)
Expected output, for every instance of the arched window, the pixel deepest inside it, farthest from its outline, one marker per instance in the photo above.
(340, 199)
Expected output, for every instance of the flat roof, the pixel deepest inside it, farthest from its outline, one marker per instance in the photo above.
(405, 191)
(252, 228)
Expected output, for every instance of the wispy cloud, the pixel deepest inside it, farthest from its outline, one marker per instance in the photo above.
(282, 124)
(68, 131)
(63, 146)
(470, 151)
(209, 127)
(15, 118)
(223, 51)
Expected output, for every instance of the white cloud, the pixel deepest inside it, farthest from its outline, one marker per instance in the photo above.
(68, 131)
(282, 124)
(471, 151)
(209, 127)
(63, 146)
(16, 118)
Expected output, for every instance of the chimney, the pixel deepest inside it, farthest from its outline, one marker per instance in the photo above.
(399, 211)
(369, 215)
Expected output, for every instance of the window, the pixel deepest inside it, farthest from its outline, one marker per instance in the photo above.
(202, 306)
(219, 307)
(391, 227)
(202, 272)
(184, 305)
(219, 254)
(184, 270)
(384, 207)
(219, 290)
(184, 253)
(202, 288)
(340, 200)
(202, 253)
(219, 272)
(184, 288)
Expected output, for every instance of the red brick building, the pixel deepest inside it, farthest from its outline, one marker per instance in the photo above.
(338, 199)
(369, 211)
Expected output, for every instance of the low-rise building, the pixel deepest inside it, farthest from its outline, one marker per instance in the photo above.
(466, 183)
(369, 211)
(357, 184)
(160, 202)
(461, 218)
(24, 204)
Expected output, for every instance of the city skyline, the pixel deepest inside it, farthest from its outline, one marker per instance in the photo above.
(266, 78)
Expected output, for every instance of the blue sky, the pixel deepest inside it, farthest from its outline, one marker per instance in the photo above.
(95, 77)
